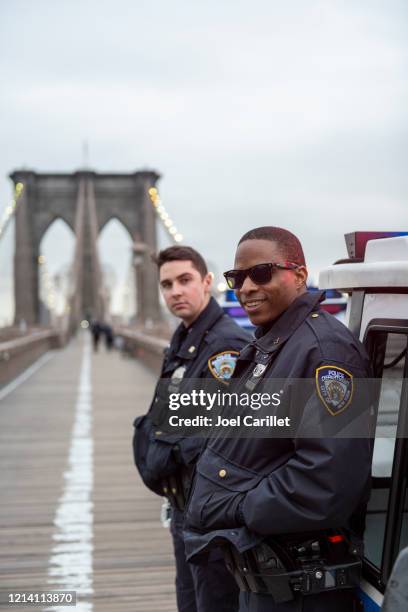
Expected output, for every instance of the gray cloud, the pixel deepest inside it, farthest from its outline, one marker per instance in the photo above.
(263, 112)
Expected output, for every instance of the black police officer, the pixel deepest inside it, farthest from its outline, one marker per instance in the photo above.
(206, 344)
(289, 503)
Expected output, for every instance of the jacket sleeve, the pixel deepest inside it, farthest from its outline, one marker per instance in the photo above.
(319, 487)
(324, 481)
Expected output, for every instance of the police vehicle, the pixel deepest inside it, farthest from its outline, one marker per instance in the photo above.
(230, 305)
(376, 278)
(335, 303)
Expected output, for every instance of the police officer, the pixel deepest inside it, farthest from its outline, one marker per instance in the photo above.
(205, 345)
(288, 511)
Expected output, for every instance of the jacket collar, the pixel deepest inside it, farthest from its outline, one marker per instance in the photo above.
(288, 322)
(195, 333)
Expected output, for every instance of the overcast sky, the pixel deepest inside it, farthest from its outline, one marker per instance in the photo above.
(256, 112)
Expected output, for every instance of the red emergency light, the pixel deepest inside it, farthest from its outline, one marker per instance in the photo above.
(356, 241)
(335, 539)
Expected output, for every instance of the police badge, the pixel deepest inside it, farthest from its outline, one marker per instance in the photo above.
(178, 373)
(334, 387)
(222, 365)
(176, 379)
(258, 370)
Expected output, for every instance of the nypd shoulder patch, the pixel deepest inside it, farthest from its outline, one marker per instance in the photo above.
(334, 387)
(222, 365)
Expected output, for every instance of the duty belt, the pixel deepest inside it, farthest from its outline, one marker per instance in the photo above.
(285, 566)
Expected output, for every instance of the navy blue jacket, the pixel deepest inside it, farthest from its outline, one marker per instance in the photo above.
(248, 489)
(159, 455)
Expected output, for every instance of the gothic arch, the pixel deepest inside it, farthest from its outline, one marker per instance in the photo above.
(48, 197)
(115, 217)
(54, 218)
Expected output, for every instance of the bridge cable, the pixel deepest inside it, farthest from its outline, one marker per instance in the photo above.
(10, 209)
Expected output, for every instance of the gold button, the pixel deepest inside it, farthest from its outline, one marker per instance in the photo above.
(191, 349)
(314, 315)
(222, 473)
(174, 490)
(165, 489)
(158, 433)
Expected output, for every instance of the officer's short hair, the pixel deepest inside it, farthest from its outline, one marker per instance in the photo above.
(287, 242)
(182, 253)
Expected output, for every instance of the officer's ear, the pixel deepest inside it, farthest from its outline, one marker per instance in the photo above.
(300, 277)
(208, 280)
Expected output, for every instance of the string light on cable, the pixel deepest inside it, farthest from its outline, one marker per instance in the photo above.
(10, 209)
(164, 215)
(47, 288)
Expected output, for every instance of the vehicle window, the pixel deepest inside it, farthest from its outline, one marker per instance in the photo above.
(388, 355)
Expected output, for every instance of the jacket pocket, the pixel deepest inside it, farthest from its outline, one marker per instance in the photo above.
(219, 485)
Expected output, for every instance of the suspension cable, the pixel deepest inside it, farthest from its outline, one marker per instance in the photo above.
(10, 209)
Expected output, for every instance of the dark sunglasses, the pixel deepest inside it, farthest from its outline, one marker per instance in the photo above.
(260, 274)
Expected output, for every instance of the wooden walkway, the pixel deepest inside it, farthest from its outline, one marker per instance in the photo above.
(73, 511)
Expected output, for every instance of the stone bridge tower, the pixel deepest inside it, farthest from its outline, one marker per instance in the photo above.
(86, 201)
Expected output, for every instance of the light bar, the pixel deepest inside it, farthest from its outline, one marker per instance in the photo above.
(356, 241)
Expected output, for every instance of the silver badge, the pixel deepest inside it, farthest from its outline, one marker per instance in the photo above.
(178, 373)
(259, 370)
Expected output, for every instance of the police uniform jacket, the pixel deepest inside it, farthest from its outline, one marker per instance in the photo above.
(249, 489)
(214, 339)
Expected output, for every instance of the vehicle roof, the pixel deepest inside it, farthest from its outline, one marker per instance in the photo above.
(385, 265)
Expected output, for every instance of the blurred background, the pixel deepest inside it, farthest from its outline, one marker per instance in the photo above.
(255, 113)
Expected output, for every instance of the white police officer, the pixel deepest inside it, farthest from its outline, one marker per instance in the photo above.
(205, 345)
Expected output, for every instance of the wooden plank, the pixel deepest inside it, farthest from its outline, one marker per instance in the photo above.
(133, 565)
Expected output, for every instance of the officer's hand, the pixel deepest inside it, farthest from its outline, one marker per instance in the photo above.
(220, 511)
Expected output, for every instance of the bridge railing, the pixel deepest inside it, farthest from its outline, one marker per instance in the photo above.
(145, 347)
(17, 354)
